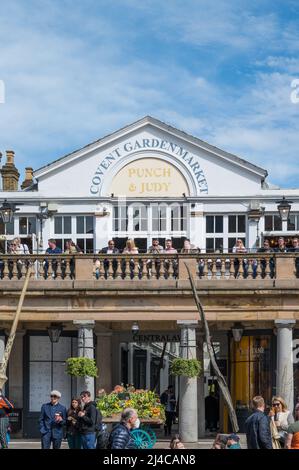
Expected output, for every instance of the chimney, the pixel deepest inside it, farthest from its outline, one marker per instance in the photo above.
(28, 178)
(10, 174)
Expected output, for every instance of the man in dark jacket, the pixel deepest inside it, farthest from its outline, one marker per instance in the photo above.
(51, 421)
(257, 426)
(168, 400)
(87, 421)
(120, 437)
(110, 250)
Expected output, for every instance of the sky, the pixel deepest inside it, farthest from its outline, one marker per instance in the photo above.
(74, 71)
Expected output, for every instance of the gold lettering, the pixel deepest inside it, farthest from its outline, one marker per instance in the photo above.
(167, 172)
(132, 172)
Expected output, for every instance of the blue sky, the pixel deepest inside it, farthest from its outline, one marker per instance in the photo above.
(222, 71)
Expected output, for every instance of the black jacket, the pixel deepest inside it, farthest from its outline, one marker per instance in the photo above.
(104, 250)
(120, 437)
(87, 423)
(258, 433)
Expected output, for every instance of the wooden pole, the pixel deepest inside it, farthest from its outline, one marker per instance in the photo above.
(221, 380)
(12, 334)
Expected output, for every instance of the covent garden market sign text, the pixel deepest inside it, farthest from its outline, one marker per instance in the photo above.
(145, 144)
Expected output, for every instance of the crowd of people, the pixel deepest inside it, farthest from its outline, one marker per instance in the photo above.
(268, 427)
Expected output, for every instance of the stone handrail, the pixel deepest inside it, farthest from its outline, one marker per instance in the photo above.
(147, 267)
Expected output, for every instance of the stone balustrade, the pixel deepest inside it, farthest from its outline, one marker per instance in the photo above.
(148, 267)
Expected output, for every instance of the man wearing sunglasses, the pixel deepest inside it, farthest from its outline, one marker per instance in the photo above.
(51, 422)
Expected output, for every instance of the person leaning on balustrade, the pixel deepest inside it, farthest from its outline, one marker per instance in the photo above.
(188, 248)
(240, 248)
(130, 249)
(267, 249)
(51, 250)
(17, 248)
(108, 250)
(169, 249)
(295, 249)
(154, 249)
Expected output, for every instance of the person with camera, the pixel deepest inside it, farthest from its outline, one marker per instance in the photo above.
(5, 407)
(89, 420)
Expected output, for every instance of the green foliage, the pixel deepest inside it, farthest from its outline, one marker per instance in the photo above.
(146, 403)
(186, 367)
(81, 367)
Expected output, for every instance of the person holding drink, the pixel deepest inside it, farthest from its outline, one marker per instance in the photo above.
(51, 421)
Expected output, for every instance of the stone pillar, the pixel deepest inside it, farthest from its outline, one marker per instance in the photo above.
(104, 360)
(188, 418)
(201, 388)
(197, 226)
(85, 349)
(284, 373)
(103, 225)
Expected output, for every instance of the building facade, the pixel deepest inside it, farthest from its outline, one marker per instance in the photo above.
(148, 180)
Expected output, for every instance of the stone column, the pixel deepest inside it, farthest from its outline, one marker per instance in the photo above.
(201, 387)
(85, 349)
(188, 418)
(104, 360)
(284, 373)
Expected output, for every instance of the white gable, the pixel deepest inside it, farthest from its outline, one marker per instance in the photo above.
(152, 157)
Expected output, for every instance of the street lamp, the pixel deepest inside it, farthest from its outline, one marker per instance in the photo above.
(284, 208)
(237, 332)
(54, 332)
(7, 211)
(135, 328)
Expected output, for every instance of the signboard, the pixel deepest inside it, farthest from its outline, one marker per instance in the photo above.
(156, 337)
(15, 420)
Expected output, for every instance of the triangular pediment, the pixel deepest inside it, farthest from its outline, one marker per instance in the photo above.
(202, 165)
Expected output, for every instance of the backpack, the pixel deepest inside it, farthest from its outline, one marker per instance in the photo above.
(102, 436)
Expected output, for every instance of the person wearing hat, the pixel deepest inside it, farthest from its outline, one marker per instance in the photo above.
(233, 442)
(51, 421)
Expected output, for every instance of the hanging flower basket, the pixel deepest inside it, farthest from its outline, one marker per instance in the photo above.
(81, 367)
(186, 367)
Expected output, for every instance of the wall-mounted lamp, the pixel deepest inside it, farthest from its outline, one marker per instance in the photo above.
(135, 328)
(54, 332)
(237, 332)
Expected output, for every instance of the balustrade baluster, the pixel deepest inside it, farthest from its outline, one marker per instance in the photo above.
(143, 268)
(118, 273)
(110, 268)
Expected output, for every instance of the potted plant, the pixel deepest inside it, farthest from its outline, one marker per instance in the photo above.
(81, 367)
(186, 367)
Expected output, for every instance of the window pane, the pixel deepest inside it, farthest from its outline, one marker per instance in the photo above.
(80, 224)
(89, 245)
(291, 222)
(67, 224)
(59, 243)
(31, 225)
(219, 224)
(232, 227)
(10, 228)
(209, 245)
(115, 219)
(23, 225)
(143, 224)
(210, 224)
(277, 222)
(231, 243)
(268, 223)
(58, 225)
(219, 244)
(89, 224)
(80, 243)
(241, 223)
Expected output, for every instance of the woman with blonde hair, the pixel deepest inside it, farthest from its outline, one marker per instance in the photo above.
(130, 249)
(282, 417)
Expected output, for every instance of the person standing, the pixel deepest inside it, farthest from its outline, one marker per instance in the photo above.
(240, 248)
(120, 436)
(257, 426)
(72, 431)
(295, 249)
(88, 419)
(281, 246)
(267, 249)
(292, 439)
(51, 250)
(110, 250)
(169, 249)
(154, 249)
(5, 407)
(282, 417)
(51, 421)
(168, 400)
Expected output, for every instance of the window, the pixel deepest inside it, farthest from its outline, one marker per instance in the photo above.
(84, 224)
(214, 244)
(178, 218)
(139, 218)
(7, 229)
(214, 224)
(27, 225)
(62, 225)
(120, 218)
(232, 241)
(273, 223)
(293, 222)
(236, 224)
(85, 244)
(159, 218)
